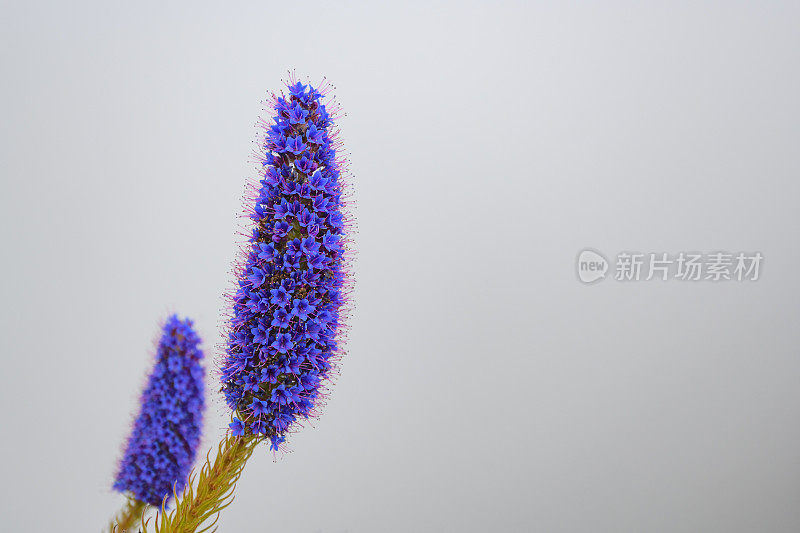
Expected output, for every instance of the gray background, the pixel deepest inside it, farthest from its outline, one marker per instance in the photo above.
(485, 388)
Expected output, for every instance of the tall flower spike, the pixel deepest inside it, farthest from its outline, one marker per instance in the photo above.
(287, 317)
(162, 446)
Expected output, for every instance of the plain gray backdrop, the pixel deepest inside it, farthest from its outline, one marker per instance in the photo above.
(485, 388)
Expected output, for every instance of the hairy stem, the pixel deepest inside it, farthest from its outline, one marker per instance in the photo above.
(129, 517)
(208, 493)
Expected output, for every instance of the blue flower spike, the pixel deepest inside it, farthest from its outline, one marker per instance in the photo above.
(290, 302)
(161, 449)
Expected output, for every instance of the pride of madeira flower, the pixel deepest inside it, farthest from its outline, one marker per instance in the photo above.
(161, 448)
(285, 329)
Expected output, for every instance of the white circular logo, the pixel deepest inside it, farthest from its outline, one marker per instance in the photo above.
(592, 266)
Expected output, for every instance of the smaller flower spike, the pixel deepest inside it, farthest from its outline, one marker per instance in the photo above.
(161, 448)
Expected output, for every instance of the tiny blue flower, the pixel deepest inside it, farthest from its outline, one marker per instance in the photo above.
(280, 318)
(257, 277)
(259, 407)
(281, 209)
(237, 427)
(283, 342)
(279, 296)
(301, 308)
(270, 374)
(295, 145)
(298, 114)
(314, 135)
(298, 89)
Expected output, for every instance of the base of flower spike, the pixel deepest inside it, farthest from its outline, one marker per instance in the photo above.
(129, 518)
(208, 493)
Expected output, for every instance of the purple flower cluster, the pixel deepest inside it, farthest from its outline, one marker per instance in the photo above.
(161, 449)
(287, 308)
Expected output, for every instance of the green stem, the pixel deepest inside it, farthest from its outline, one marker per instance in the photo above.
(214, 489)
(129, 517)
